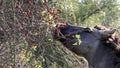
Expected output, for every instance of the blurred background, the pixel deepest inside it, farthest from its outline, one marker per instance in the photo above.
(26, 30)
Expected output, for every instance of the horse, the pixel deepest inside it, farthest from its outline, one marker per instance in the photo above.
(99, 46)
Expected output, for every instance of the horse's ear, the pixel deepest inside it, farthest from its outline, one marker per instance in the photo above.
(107, 32)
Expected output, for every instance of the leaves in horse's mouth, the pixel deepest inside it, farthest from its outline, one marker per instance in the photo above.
(78, 40)
(77, 36)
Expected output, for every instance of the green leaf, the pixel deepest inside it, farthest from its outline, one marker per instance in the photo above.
(79, 41)
(43, 1)
(77, 36)
(75, 43)
(35, 33)
(34, 47)
(43, 13)
(51, 17)
(51, 40)
(53, 24)
(42, 59)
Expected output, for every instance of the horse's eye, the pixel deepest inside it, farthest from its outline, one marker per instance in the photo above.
(88, 30)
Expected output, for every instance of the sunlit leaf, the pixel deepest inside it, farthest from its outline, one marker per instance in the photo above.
(37, 64)
(34, 47)
(43, 60)
(43, 13)
(50, 40)
(51, 17)
(77, 36)
(35, 33)
(75, 43)
(79, 41)
(22, 56)
(43, 1)
(30, 54)
(53, 24)
(27, 59)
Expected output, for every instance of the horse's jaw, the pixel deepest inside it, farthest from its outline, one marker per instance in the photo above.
(103, 57)
(87, 49)
(84, 49)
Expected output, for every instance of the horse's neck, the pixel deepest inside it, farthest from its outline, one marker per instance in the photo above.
(103, 57)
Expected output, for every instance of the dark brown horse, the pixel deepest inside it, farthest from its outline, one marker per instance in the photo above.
(100, 46)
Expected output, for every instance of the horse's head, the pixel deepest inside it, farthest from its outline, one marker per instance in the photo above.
(79, 39)
(96, 44)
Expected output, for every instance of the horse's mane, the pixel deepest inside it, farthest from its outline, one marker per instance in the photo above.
(113, 41)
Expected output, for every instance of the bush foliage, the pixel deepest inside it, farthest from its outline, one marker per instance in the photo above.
(26, 28)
